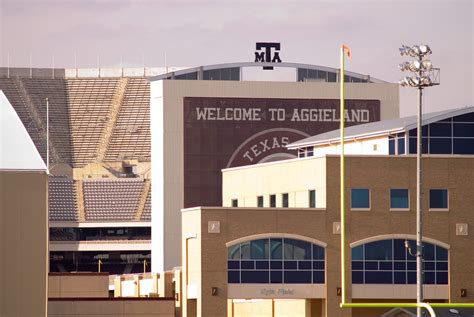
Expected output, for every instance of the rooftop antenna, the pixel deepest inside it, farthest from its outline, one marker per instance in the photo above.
(31, 65)
(98, 63)
(121, 64)
(75, 62)
(47, 134)
(53, 65)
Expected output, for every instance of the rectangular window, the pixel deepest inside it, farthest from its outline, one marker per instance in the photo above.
(360, 198)
(309, 151)
(401, 145)
(301, 152)
(438, 199)
(260, 201)
(235, 203)
(284, 200)
(273, 201)
(399, 199)
(312, 199)
(391, 145)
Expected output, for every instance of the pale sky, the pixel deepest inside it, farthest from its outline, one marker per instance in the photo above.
(193, 33)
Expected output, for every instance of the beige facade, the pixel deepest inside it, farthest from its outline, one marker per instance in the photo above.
(167, 98)
(211, 230)
(130, 307)
(23, 243)
(74, 285)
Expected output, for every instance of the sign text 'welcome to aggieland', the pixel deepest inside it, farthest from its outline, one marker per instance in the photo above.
(280, 114)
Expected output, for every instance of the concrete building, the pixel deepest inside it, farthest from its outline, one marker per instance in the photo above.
(274, 246)
(221, 116)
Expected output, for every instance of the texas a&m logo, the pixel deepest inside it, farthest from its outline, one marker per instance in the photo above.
(263, 53)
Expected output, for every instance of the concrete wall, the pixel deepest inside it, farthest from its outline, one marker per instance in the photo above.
(273, 308)
(301, 175)
(67, 285)
(372, 146)
(379, 174)
(23, 243)
(159, 307)
(166, 115)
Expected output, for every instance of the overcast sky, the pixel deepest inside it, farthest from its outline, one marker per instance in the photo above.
(193, 33)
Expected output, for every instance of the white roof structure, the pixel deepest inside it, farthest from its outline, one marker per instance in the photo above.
(17, 150)
(378, 128)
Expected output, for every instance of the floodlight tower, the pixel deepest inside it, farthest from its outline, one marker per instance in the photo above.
(424, 76)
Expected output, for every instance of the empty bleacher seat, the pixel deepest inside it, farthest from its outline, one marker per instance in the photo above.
(111, 200)
(62, 199)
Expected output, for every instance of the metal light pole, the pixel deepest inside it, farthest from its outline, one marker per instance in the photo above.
(426, 76)
(344, 49)
(419, 214)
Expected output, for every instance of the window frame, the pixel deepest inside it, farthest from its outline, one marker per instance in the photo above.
(400, 266)
(263, 202)
(361, 208)
(234, 202)
(305, 264)
(390, 200)
(447, 200)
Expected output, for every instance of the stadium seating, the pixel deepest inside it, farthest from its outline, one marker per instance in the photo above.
(62, 200)
(80, 113)
(106, 200)
(131, 136)
(12, 92)
(89, 102)
(38, 89)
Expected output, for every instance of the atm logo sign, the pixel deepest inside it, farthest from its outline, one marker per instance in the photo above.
(263, 53)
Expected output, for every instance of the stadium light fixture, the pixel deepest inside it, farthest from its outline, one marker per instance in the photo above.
(416, 66)
(423, 77)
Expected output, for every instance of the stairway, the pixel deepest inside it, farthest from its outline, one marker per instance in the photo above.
(35, 115)
(80, 201)
(112, 118)
(142, 201)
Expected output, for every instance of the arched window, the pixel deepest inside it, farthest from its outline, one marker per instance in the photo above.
(276, 260)
(390, 262)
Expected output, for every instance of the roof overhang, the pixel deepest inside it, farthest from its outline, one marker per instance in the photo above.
(262, 64)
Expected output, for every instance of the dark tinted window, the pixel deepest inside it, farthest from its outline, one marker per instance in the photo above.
(260, 201)
(399, 198)
(360, 198)
(463, 146)
(260, 261)
(463, 130)
(284, 200)
(440, 146)
(272, 200)
(388, 261)
(440, 129)
(439, 198)
(312, 199)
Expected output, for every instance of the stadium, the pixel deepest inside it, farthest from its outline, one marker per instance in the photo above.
(227, 138)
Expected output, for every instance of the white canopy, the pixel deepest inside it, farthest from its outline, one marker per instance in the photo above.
(17, 150)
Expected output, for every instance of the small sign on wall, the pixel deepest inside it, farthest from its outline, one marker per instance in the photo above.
(213, 227)
(461, 229)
